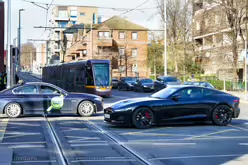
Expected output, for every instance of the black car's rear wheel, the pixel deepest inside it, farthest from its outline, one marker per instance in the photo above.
(143, 118)
(86, 108)
(13, 110)
(222, 115)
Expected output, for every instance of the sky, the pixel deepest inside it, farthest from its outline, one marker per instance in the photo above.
(36, 16)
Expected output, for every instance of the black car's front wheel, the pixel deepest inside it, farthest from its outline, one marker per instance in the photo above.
(222, 115)
(13, 110)
(86, 108)
(143, 118)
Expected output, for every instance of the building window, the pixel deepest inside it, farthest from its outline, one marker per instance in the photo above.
(103, 34)
(134, 68)
(122, 51)
(73, 13)
(73, 22)
(134, 52)
(121, 35)
(82, 14)
(73, 58)
(134, 35)
(122, 68)
(63, 14)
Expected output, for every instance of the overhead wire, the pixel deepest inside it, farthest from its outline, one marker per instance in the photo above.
(47, 10)
(100, 7)
(134, 8)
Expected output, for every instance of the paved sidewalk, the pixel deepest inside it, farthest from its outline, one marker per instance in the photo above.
(241, 95)
(36, 75)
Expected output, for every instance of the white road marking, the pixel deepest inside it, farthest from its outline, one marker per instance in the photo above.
(27, 146)
(96, 144)
(35, 161)
(212, 133)
(174, 144)
(196, 156)
(243, 144)
(12, 143)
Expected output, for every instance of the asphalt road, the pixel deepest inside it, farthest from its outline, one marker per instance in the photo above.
(91, 141)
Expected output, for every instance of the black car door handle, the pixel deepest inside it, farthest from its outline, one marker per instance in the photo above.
(45, 96)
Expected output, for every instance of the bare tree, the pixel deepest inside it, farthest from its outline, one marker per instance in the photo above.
(235, 11)
(178, 16)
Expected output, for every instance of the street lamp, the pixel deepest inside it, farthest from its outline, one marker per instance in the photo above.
(19, 37)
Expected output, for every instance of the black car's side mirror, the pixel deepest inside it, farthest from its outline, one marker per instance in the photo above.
(176, 97)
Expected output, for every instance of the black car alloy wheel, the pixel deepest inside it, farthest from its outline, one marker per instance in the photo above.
(143, 118)
(222, 115)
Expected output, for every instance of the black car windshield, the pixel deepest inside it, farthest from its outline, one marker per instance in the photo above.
(164, 93)
(147, 81)
(101, 74)
(171, 79)
(128, 79)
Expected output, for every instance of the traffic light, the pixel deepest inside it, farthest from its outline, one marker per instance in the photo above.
(15, 52)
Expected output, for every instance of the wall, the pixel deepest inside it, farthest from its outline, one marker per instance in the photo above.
(1, 36)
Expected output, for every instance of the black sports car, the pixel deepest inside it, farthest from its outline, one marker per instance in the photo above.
(175, 103)
(43, 98)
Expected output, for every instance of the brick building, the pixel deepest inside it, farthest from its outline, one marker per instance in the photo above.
(117, 39)
(213, 36)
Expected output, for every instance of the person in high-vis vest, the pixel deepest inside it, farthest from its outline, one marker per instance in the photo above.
(1, 82)
(5, 81)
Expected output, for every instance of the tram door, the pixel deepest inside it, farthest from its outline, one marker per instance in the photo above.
(70, 82)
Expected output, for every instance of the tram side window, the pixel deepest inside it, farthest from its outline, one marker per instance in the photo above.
(79, 76)
(89, 76)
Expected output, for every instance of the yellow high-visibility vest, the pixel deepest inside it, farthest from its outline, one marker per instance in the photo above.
(5, 80)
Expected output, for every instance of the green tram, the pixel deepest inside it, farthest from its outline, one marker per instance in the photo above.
(88, 76)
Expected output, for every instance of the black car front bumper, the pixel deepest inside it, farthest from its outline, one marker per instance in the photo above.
(118, 118)
(236, 112)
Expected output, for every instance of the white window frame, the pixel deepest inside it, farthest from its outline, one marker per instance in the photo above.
(122, 34)
(133, 38)
(122, 51)
(134, 55)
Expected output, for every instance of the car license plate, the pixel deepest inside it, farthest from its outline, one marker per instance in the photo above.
(107, 116)
(152, 87)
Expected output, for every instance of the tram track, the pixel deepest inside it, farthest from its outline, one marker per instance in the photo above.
(92, 146)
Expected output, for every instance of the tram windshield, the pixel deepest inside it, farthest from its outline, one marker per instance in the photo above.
(102, 74)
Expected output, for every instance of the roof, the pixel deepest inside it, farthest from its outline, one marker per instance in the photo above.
(119, 23)
(74, 28)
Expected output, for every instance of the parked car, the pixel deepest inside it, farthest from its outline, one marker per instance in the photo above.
(144, 85)
(165, 81)
(181, 103)
(126, 83)
(114, 83)
(42, 98)
(201, 83)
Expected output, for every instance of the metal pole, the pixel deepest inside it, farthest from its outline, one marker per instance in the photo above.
(165, 43)
(8, 44)
(246, 63)
(246, 38)
(19, 39)
(91, 40)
